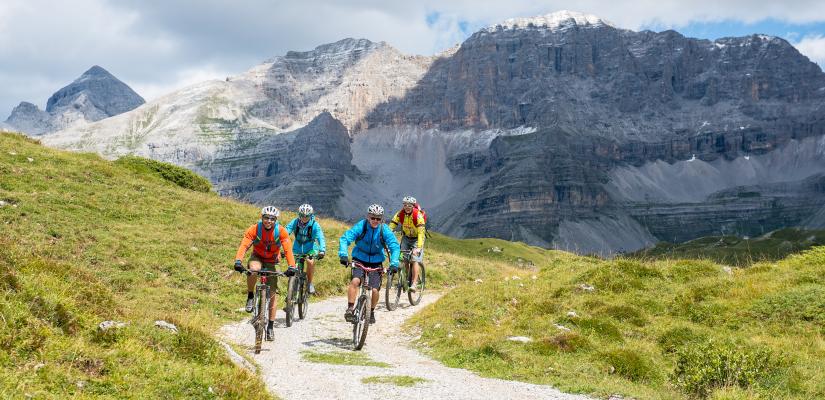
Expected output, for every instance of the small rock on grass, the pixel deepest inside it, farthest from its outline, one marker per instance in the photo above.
(106, 325)
(520, 339)
(587, 288)
(166, 325)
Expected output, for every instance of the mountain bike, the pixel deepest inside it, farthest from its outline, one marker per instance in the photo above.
(298, 292)
(260, 314)
(400, 281)
(363, 307)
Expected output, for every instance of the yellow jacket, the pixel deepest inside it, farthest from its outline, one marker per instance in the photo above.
(408, 228)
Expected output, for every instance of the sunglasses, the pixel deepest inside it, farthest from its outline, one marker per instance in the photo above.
(376, 218)
(270, 218)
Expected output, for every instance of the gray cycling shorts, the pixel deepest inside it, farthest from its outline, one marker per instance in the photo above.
(408, 243)
(374, 277)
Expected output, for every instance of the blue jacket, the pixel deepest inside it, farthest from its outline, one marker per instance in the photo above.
(303, 244)
(369, 248)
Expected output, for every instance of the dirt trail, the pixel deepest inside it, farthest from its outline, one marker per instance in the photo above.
(325, 330)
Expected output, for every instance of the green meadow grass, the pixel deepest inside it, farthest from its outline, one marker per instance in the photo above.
(736, 251)
(651, 330)
(86, 240)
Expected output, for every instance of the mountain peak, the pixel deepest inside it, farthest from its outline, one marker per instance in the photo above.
(343, 46)
(99, 88)
(97, 71)
(562, 19)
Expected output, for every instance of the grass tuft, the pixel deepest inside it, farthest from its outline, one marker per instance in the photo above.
(397, 380)
(342, 358)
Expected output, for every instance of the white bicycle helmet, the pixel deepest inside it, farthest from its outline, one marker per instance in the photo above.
(409, 200)
(305, 210)
(375, 209)
(270, 211)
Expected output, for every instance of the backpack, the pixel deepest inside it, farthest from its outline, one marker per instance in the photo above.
(275, 234)
(309, 230)
(418, 214)
(380, 235)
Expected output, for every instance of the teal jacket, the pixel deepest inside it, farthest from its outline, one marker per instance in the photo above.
(370, 246)
(306, 241)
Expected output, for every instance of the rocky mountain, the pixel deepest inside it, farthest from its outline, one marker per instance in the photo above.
(93, 96)
(560, 130)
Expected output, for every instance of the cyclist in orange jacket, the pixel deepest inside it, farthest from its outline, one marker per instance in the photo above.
(266, 238)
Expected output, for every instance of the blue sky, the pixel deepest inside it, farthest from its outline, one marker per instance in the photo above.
(158, 47)
(718, 29)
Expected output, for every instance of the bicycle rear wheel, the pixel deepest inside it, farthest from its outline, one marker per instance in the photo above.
(415, 298)
(289, 307)
(392, 293)
(303, 298)
(362, 322)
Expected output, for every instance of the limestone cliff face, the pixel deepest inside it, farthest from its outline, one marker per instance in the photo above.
(307, 165)
(604, 99)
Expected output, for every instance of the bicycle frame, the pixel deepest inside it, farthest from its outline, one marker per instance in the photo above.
(363, 307)
(263, 300)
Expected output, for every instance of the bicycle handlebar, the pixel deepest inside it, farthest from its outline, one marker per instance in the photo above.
(264, 272)
(356, 264)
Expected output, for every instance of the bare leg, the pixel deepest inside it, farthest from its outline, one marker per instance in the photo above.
(273, 302)
(254, 266)
(414, 273)
(352, 290)
(375, 297)
(310, 269)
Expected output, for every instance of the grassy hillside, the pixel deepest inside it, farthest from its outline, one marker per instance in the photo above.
(651, 330)
(732, 250)
(86, 240)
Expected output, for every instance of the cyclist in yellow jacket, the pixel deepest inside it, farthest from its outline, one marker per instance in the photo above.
(412, 221)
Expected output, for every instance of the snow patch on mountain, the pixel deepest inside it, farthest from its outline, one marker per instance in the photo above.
(558, 20)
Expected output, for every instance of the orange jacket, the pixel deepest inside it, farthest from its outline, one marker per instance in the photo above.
(268, 247)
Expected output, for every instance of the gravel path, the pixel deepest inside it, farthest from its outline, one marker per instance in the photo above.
(325, 331)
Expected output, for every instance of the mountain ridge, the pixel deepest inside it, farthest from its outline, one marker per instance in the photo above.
(521, 132)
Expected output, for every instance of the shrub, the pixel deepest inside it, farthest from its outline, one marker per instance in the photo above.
(630, 364)
(703, 367)
(178, 175)
(797, 304)
(600, 327)
(675, 338)
(626, 313)
(565, 342)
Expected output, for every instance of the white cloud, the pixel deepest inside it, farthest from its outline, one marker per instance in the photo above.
(813, 46)
(155, 46)
(151, 90)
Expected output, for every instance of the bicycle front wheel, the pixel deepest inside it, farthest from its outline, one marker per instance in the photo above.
(261, 317)
(415, 297)
(289, 308)
(392, 293)
(303, 298)
(362, 322)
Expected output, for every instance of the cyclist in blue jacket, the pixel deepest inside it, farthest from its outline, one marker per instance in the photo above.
(371, 236)
(309, 239)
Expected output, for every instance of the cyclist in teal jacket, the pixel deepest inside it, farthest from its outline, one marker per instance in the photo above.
(309, 239)
(370, 236)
